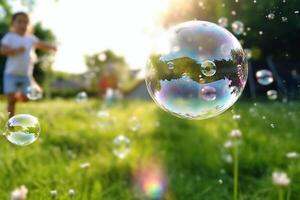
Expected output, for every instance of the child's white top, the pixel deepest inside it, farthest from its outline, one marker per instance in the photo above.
(20, 64)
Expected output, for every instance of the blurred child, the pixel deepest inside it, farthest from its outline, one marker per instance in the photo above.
(19, 46)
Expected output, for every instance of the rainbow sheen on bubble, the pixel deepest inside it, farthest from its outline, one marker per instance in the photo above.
(151, 181)
(208, 75)
(22, 129)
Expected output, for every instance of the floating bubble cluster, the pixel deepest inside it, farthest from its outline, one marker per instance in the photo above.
(22, 129)
(264, 77)
(209, 70)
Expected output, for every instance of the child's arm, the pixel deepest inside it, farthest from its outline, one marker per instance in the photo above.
(8, 51)
(45, 46)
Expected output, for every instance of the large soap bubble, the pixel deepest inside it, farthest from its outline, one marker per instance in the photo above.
(208, 74)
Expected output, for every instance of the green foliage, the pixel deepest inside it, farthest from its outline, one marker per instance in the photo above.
(190, 151)
(279, 38)
(98, 61)
(108, 66)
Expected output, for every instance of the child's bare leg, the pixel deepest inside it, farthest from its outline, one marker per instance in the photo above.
(11, 104)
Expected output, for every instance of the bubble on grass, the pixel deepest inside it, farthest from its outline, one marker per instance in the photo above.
(121, 146)
(223, 21)
(272, 94)
(22, 129)
(221, 64)
(34, 92)
(81, 97)
(134, 124)
(233, 12)
(220, 181)
(260, 32)
(264, 77)
(272, 125)
(237, 27)
(208, 68)
(296, 12)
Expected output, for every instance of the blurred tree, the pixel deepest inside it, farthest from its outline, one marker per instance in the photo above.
(280, 36)
(44, 63)
(107, 70)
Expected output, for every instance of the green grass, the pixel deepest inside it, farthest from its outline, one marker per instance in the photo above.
(191, 152)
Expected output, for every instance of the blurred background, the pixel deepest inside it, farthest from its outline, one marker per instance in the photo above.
(107, 48)
(99, 148)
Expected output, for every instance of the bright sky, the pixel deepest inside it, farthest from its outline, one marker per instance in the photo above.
(90, 26)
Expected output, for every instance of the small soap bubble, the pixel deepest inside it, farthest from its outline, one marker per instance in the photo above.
(121, 146)
(34, 92)
(22, 129)
(208, 68)
(208, 93)
(81, 97)
(264, 77)
(271, 16)
(223, 21)
(134, 124)
(237, 27)
(170, 65)
(272, 94)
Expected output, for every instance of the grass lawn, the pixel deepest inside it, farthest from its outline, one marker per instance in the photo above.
(196, 164)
